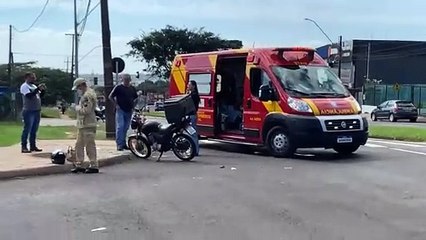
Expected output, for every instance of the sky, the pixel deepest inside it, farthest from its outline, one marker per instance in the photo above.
(259, 23)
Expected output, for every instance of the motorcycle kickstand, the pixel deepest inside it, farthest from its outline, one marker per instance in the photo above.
(161, 154)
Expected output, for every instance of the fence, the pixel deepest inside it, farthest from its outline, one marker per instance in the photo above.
(10, 105)
(379, 93)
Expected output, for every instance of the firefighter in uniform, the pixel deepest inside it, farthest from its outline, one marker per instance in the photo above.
(86, 125)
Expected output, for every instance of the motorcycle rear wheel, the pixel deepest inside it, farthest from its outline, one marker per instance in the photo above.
(139, 146)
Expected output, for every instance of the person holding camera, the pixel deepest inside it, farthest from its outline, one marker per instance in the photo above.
(31, 112)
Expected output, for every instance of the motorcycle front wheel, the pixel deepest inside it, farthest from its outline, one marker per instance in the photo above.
(139, 146)
(183, 147)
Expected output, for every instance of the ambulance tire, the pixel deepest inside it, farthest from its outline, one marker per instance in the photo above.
(279, 143)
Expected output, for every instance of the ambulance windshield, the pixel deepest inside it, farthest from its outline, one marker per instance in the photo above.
(310, 81)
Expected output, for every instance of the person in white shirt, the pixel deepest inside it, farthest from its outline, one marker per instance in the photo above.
(31, 112)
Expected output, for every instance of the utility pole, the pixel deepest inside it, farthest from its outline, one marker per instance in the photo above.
(76, 36)
(108, 80)
(72, 57)
(68, 64)
(340, 56)
(368, 61)
(12, 91)
(9, 66)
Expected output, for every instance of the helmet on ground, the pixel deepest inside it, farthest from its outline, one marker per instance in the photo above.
(58, 157)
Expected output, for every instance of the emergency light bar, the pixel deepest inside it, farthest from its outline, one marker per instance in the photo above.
(309, 57)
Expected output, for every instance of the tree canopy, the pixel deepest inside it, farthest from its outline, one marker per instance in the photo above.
(159, 47)
(58, 82)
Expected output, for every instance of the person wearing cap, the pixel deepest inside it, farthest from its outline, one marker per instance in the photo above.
(86, 126)
(123, 96)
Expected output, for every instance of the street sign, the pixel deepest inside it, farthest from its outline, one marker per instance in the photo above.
(396, 87)
(118, 65)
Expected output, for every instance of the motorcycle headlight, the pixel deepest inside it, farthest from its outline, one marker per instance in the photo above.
(299, 105)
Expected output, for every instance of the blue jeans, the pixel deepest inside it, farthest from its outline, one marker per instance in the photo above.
(195, 135)
(122, 121)
(31, 124)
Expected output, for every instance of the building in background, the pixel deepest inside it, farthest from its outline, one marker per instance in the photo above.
(382, 69)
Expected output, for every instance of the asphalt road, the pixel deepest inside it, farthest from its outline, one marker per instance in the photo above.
(379, 193)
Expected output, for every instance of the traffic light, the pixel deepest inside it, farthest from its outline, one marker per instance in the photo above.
(95, 81)
(137, 75)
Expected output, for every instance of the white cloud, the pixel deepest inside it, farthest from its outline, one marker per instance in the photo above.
(51, 48)
(352, 18)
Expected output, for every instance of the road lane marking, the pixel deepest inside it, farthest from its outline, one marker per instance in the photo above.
(408, 151)
(398, 143)
(374, 145)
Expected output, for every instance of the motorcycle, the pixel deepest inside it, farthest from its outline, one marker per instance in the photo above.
(154, 136)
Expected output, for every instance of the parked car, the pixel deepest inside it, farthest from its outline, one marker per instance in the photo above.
(395, 110)
(159, 106)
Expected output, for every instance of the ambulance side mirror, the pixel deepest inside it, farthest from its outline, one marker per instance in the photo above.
(267, 93)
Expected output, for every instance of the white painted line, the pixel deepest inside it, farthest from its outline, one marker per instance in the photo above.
(408, 151)
(98, 229)
(374, 145)
(398, 143)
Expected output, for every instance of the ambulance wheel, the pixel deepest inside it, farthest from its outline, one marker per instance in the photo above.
(279, 143)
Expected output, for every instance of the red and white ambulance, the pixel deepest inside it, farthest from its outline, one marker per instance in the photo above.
(281, 98)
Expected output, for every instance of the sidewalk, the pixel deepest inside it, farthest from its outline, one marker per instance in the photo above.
(15, 164)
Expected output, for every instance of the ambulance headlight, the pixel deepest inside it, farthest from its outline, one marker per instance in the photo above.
(299, 105)
(357, 106)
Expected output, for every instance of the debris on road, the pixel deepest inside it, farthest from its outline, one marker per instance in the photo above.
(197, 178)
(98, 229)
(288, 168)
(233, 169)
(222, 166)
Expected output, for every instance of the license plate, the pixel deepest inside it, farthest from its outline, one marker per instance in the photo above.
(190, 130)
(344, 140)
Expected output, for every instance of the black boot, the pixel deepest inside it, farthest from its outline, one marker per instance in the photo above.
(36, 149)
(25, 150)
(78, 170)
(92, 170)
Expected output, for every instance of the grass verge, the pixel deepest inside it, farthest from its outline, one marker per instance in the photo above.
(399, 133)
(71, 113)
(155, 114)
(48, 112)
(11, 133)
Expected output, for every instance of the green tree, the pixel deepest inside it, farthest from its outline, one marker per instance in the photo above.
(58, 83)
(159, 47)
(158, 86)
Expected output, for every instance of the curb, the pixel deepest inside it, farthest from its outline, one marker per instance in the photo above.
(58, 169)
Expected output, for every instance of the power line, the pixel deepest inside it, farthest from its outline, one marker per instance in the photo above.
(41, 54)
(90, 12)
(84, 21)
(35, 20)
(87, 54)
